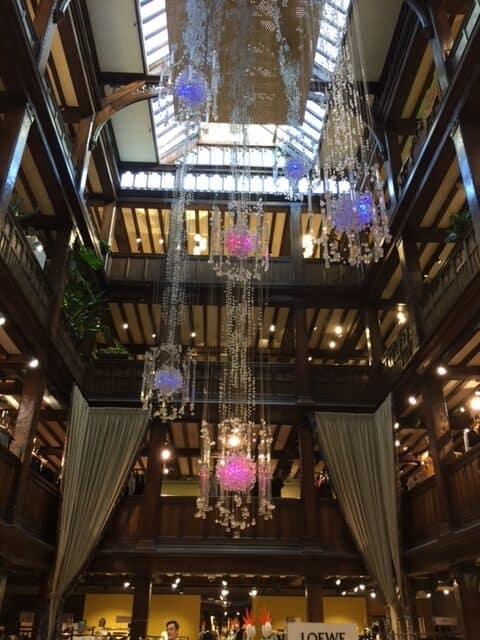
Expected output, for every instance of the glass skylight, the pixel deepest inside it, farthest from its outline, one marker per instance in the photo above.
(171, 136)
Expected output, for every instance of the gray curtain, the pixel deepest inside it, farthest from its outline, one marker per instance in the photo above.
(101, 447)
(359, 453)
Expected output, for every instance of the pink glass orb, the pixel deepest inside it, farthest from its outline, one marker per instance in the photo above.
(239, 243)
(167, 380)
(237, 474)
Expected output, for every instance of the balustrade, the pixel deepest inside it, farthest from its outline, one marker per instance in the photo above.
(25, 270)
(41, 509)
(465, 34)
(446, 289)
(401, 351)
(9, 470)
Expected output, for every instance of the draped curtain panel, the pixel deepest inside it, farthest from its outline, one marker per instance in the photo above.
(359, 453)
(101, 447)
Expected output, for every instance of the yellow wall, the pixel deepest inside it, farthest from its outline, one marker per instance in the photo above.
(108, 606)
(280, 608)
(184, 609)
(345, 610)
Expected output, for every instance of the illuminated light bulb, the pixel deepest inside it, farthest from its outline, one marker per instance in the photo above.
(429, 595)
(197, 237)
(225, 592)
(462, 409)
(396, 426)
(361, 587)
(272, 328)
(475, 404)
(154, 335)
(441, 370)
(138, 240)
(338, 582)
(174, 585)
(338, 330)
(233, 440)
(177, 580)
(2, 320)
(39, 248)
(125, 325)
(193, 334)
(310, 358)
(197, 251)
(126, 585)
(446, 592)
(373, 594)
(166, 454)
(253, 592)
(401, 317)
(412, 400)
(397, 443)
(356, 590)
(344, 593)
(33, 363)
(332, 344)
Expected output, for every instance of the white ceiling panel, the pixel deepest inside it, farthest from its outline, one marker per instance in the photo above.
(117, 36)
(133, 132)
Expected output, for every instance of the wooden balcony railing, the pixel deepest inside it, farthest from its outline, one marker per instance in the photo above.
(20, 260)
(9, 470)
(446, 289)
(402, 350)
(176, 521)
(421, 507)
(465, 34)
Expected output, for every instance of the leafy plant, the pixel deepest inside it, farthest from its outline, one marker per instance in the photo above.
(117, 349)
(88, 256)
(105, 248)
(460, 225)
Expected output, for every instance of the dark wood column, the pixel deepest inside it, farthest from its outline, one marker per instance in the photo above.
(58, 273)
(153, 480)
(467, 145)
(469, 600)
(393, 164)
(25, 428)
(109, 220)
(376, 345)
(141, 606)
(3, 583)
(314, 594)
(412, 279)
(302, 368)
(40, 621)
(296, 242)
(307, 486)
(14, 130)
(442, 40)
(440, 438)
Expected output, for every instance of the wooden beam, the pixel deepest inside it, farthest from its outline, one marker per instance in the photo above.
(467, 145)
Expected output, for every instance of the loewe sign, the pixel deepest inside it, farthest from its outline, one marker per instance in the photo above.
(321, 631)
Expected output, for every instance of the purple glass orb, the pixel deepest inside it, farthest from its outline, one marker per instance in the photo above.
(237, 474)
(167, 380)
(295, 168)
(342, 213)
(191, 89)
(239, 243)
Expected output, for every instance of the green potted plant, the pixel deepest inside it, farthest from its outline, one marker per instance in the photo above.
(117, 351)
(460, 225)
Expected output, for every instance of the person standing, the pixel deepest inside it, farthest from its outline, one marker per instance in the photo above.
(172, 628)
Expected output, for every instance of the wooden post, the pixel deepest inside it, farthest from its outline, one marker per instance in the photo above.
(141, 606)
(314, 593)
(412, 279)
(40, 621)
(442, 40)
(3, 584)
(14, 130)
(440, 439)
(469, 600)
(34, 384)
(109, 220)
(376, 345)
(296, 245)
(153, 481)
(307, 486)
(467, 145)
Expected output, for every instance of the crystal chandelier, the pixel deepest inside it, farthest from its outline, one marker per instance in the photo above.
(295, 168)
(242, 462)
(239, 241)
(168, 386)
(169, 374)
(354, 221)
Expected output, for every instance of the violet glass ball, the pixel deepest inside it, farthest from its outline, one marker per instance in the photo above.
(239, 243)
(167, 380)
(365, 207)
(295, 168)
(237, 474)
(191, 89)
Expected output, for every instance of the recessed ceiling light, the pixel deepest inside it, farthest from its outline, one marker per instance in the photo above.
(429, 595)
(2, 320)
(405, 448)
(396, 426)
(39, 248)
(361, 587)
(310, 358)
(125, 325)
(272, 328)
(338, 330)
(412, 400)
(446, 592)
(397, 443)
(197, 237)
(373, 594)
(33, 363)
(344, 593)
(475, 403)
(165, 453)
(193, 334)
(332, 344)
(126, 584)
(161, 241)
(338, 582)
(441, 370)
(401, 317)
(154, 335)
(462, 409)
(356, 590)
(138, 240)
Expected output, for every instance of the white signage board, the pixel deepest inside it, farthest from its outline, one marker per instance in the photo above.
(321, 631)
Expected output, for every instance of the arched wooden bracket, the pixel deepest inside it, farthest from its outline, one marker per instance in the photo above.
(60, 10)
(421, 11)
(118, 100)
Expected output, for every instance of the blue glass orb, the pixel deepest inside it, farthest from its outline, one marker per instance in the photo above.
(295, 168)
(191, 89)
(365, 208)
(168, 380)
